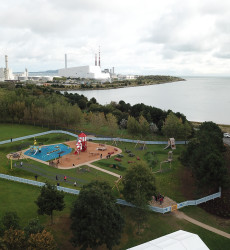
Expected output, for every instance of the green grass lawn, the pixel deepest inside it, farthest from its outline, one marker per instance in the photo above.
(16, 130)
(168, 183)
(20, 198)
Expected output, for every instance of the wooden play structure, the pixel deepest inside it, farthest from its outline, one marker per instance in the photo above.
(172, 143)
(169, 160)
(117, 182)
(141, 144)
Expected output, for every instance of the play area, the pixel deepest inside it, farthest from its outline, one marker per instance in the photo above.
(69, 154)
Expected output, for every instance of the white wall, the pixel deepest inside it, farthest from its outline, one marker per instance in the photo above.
(93, 72)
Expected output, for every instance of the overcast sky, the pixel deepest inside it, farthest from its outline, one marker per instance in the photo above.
(172, 37)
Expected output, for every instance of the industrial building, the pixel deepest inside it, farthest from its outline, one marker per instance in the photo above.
(89, 72)
(6, 73)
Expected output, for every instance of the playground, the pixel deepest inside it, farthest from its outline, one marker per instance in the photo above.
(67, 155)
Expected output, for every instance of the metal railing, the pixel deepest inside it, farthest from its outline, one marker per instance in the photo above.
(119, 201)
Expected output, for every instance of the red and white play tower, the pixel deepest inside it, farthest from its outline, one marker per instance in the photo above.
(81, 144)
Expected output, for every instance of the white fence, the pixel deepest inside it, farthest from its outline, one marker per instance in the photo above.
(119, 201)
(88, 138)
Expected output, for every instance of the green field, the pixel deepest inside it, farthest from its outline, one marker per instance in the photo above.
(20, 197)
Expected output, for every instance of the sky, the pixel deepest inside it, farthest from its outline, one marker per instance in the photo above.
(169, 37)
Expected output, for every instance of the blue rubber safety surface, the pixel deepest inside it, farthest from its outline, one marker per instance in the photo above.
(48, 153)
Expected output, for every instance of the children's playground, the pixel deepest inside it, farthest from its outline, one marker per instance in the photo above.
(67, 155)
(86, 158)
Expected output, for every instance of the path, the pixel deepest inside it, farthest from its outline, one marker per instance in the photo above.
(103, 170)
(181, 215)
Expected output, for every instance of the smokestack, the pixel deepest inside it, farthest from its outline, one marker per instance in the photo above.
(99, 61)
(95, 59)
(6, 69)
(65, 61)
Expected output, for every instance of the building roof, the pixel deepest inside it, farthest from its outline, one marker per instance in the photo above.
(179, 240)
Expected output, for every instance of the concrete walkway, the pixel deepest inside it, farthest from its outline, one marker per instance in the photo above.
(103, 170)
(181, 215)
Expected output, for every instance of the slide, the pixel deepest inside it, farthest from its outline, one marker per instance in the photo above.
(35, 152)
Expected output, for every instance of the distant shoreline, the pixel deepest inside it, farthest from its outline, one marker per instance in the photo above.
(115, 87)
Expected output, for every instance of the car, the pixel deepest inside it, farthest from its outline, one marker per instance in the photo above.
(226, 135)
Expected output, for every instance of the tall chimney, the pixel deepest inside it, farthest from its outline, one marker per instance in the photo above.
(6, 69)
(65, 61)
(99, 61)
(95, 59)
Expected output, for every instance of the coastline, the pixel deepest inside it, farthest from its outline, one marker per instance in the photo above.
(114, 87)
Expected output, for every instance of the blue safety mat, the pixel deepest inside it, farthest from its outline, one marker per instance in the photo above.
(47, 153)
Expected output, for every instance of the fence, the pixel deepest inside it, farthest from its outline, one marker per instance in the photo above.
(119, 201)
(89, 138)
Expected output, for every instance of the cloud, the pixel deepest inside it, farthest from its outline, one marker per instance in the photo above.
(138, 36)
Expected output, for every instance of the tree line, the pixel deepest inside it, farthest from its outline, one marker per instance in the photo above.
(40, 105)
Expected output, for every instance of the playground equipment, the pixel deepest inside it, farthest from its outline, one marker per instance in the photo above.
(35, 149)
(117, 182)
(81, 145)
(172, 143)
(142, 145)
(170, 158)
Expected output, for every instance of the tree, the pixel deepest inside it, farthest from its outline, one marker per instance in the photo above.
(41, 241)
(96, 218)
(204, 155)
(172, 126)
(187, 130)
(144, 125)
(14, 239)
(33, 227)
(133, 125)
(10, 220)
(49, 200)
(139, 187)
(112, 123)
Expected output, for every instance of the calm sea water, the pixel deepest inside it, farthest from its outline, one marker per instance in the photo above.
(198, 98)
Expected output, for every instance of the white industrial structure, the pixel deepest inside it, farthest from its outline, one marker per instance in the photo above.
(6, 73)
(92, 72)
(88, 72)
(179, 240)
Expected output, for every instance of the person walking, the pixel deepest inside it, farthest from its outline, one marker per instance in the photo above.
(65, 178)
(56, 178)
(21, 163)
(36, 177)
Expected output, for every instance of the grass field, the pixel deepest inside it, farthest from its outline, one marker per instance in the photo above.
(21, 197)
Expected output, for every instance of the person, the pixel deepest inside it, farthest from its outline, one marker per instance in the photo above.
(11, 139)
(36, 177)
(56, 177)
(21, 163)
(64, 178)
(101, 156)
(75, 184)
(58, 184)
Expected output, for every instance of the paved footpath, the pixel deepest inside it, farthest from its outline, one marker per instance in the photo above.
(181, 215)
(103, 170)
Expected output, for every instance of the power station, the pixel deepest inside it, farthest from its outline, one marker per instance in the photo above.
(90, 72)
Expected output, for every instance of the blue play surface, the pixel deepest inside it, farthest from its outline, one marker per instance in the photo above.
(49, 152)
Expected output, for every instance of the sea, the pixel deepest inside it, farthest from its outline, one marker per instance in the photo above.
(198, 98)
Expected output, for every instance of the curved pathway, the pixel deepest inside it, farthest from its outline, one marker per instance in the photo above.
(181, 215)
